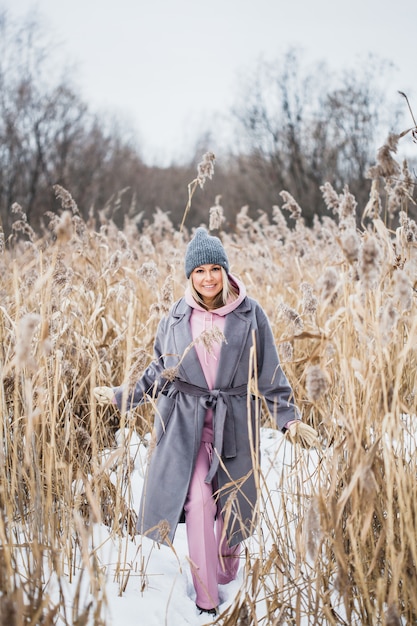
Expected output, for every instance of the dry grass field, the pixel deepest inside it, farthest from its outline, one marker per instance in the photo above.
(79, 308)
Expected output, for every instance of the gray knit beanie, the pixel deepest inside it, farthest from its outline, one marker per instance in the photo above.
(204, 249)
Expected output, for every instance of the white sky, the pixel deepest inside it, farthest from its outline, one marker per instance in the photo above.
(170, 67)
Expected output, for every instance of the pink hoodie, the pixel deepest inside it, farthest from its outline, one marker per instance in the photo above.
(200, 321)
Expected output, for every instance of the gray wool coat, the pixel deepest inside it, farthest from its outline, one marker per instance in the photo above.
(180, 411)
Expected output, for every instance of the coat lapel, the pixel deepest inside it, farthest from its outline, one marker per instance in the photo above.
(236, 333)
(183, 340)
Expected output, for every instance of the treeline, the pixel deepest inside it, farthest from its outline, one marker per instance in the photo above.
(293, 130)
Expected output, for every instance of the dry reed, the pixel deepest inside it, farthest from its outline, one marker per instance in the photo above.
(339, 544)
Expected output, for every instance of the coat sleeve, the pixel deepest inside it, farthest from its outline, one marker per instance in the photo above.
(272, 383)
(150, 382)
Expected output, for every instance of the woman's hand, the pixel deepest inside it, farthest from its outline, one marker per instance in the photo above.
(301, 433)
(104, 395)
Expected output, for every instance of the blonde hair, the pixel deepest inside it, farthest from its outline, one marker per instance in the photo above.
(228, 292)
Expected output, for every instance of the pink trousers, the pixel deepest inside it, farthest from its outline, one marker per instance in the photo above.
(212, 561)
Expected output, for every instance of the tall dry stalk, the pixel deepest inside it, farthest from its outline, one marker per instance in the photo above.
(336, 540)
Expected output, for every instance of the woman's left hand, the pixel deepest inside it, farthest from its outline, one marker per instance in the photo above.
(301, 433)
(103, 395)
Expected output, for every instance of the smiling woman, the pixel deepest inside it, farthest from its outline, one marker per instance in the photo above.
(208, 282)
(203, 463)
(207, 267)
(212, 287)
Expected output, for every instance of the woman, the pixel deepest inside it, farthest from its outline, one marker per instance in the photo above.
(205, 453)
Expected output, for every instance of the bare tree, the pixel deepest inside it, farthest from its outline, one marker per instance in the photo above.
(40, 118)
(302, 128)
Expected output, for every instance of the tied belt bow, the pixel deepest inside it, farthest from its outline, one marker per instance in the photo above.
(219, 401)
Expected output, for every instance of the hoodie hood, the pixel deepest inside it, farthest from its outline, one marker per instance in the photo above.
(227, 308)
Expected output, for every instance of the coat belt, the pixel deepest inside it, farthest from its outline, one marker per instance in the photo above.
(219, 400)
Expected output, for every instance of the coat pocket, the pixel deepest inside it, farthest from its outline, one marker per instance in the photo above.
(164, 408)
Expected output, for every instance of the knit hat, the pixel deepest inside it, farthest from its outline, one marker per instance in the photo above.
(204, 249)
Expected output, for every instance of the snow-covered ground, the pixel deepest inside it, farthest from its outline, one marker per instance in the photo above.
(147, 585)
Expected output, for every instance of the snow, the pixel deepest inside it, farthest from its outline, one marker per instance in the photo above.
(149, 585)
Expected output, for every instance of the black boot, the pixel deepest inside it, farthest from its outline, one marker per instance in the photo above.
(209, 611)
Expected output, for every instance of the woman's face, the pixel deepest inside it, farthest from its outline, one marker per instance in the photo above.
(208, 281)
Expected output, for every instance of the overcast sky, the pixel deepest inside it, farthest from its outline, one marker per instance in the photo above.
(170, 68)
